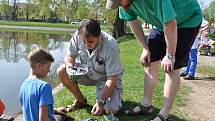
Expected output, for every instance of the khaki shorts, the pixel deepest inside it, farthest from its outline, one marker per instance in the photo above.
(114, 102)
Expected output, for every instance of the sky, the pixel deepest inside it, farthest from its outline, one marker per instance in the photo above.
(206, 3)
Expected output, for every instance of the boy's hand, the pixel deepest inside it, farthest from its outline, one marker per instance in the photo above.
(60, 111)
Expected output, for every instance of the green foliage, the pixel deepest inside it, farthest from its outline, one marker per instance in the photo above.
(109, 16)
(5, 9)
(38, 24)
(209, 12)
(207, 72)
(82, 11)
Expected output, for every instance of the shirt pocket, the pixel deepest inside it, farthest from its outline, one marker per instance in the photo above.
(99, 66)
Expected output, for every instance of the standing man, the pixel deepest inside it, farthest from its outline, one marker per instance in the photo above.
(176, 26)
(100, 52)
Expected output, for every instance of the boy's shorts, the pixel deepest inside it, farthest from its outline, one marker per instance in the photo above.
(114, 102)
(157, 45)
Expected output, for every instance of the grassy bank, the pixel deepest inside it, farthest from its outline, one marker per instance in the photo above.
(132, 89)
(38, 24)
(207, 72)
(42, 24)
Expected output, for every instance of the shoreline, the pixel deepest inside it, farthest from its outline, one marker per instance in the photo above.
(37, 28)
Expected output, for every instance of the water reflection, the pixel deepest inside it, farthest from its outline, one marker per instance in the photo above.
(14, 47)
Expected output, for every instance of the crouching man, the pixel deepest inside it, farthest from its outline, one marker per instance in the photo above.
(99, 52)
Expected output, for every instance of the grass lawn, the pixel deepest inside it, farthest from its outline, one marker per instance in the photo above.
(207, 72)
(38, 24)
(132, 89)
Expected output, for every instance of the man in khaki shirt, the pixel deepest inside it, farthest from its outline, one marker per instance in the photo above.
(99, 52)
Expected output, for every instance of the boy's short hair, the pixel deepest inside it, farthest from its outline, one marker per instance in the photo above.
(39, 55)
(89, 28)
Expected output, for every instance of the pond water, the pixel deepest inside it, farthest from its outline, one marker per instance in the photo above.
(14, 68)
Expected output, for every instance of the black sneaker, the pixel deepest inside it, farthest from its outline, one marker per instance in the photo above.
(189, 77)
(183, 74)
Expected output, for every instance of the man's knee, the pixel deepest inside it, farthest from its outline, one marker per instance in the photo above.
(61, 73)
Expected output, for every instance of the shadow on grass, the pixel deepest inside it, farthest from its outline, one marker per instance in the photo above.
(211, 78)
(68, 118)
(123, 117)
(207, 78)
(128, 104)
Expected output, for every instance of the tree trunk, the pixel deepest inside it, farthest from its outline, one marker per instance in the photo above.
(27, 12)
(119, 26)
(14, 10)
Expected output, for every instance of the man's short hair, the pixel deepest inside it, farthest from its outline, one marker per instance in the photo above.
(89, 28)
(39, 55)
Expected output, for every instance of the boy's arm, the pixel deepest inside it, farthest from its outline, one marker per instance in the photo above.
(43, 113)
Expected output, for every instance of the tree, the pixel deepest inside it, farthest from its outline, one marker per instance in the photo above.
(66, 9)
(5, 8)
(14, 8)
(44, 7)
(119, 26)
(28, 8)
(209, 13)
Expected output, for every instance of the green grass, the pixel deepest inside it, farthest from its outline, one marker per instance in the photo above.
(43, 24)
(130, 51)
(207, 71)
(38, 24)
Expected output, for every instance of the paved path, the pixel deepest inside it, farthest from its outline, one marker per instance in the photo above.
(201, 99)
(37, 28)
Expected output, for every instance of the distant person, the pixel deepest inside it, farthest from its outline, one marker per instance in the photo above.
(204, 37)
(188, 72)
(99, 52)
(204, 43)
(176, 24)
(36, 95)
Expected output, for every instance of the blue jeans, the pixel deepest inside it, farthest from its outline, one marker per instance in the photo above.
(192, 63)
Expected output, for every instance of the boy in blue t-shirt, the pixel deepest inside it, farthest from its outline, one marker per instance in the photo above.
(36, 95)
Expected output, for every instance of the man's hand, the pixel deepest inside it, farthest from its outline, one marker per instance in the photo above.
(167, 64)
(61, 111)
(145, 57)
(97, 109)
(69, 66)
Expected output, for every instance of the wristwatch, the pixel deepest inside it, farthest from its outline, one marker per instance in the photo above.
(103, 102)
(170, 56)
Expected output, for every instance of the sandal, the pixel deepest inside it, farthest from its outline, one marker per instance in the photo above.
(161, 117)
(143, 110)
(76, 105)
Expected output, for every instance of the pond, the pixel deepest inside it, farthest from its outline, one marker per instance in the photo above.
(14, 68)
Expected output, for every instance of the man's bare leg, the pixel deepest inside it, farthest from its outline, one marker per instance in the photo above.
(171, 86)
